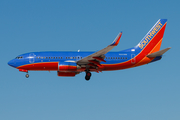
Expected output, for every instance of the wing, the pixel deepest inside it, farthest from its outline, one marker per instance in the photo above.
(95, 58)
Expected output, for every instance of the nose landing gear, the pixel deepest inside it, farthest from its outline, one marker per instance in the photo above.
(27, 75)
(24, 70)
(88, 75)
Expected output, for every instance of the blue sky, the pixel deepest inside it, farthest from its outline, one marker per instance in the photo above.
(143, 93)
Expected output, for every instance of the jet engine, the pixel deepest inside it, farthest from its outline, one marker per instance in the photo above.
(67, 69)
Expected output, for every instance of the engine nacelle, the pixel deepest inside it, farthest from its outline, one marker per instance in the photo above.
(68, 67)
(66, 74)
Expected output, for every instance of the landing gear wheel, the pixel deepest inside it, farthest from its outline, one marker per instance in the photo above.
(88, 76)
(27, 75)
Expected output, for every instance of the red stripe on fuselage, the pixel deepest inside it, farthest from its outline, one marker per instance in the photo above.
(41, 66)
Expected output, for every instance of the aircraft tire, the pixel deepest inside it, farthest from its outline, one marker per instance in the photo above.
(88, 76)
(27, 75)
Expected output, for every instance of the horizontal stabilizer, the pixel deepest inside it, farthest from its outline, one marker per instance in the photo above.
(158, 53)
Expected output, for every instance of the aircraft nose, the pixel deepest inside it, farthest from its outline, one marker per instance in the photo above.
(11, 63)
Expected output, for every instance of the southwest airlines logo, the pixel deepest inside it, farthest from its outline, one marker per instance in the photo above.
(150, 35)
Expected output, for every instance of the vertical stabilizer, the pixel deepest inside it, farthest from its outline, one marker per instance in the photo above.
(152, 40)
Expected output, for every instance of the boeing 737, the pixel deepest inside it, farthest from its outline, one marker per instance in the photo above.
(69, 64)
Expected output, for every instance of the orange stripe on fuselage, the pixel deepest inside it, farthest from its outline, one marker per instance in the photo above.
(146, 60)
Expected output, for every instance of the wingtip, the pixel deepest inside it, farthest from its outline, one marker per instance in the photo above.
(116, 41)
(120, 33)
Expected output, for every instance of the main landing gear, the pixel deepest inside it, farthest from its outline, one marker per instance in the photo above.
(88, 75)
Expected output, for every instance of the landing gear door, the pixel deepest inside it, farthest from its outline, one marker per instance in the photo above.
(31, 58)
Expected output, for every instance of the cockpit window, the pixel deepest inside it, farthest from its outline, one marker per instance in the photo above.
(19, 57)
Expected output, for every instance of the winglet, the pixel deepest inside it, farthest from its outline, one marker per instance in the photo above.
(159, 53)
(116, 41)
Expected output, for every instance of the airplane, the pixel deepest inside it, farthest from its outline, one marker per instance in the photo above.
(69, 64)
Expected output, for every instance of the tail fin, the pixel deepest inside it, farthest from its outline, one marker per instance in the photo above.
(152, 40)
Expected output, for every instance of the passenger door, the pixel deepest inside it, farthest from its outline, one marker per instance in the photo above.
(31, 58)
